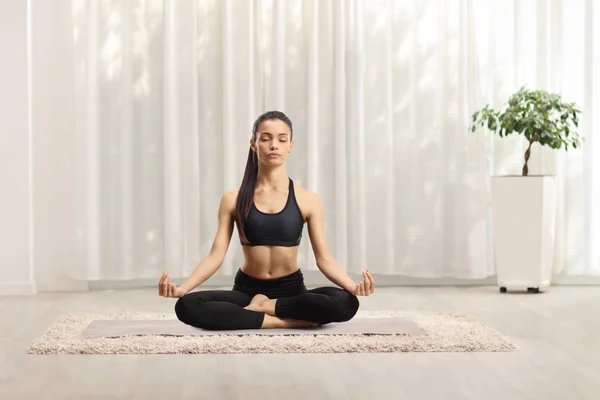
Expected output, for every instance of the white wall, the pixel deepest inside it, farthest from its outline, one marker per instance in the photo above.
(50, 145)
(54, 147)
(16, 275)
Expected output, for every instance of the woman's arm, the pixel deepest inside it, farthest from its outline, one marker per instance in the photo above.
(213, 261)
(325, 261)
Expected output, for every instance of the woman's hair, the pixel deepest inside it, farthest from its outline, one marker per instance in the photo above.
(245, 196)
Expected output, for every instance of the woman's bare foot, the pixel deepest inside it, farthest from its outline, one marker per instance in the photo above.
(276, 322)
(255, 303)
(260, 303)
(296, 323)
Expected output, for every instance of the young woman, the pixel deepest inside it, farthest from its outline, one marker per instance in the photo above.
(269, 210)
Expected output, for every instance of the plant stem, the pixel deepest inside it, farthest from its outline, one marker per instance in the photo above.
(527, 154)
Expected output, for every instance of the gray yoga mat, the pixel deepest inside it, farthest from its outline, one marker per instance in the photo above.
(366, 326)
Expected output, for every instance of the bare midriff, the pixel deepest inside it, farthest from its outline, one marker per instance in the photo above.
(270, 262)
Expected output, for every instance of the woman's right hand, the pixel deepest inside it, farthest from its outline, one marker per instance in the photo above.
(167, 289)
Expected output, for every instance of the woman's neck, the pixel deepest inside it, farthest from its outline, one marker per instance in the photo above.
(272, 178)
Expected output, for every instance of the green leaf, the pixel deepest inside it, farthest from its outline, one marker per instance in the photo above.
(535, 114)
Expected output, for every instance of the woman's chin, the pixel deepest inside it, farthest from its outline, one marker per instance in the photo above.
(273, 161)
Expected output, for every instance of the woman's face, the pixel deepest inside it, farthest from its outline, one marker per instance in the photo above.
(273, 142)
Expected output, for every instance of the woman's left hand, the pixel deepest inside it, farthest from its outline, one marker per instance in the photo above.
(366, 287)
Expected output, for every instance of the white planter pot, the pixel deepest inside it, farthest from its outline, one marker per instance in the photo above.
(524, 213)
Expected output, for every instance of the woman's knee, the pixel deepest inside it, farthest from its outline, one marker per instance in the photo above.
(348, 306)
(182, 308)
(342, 305)
(195, 309)
(189, 309)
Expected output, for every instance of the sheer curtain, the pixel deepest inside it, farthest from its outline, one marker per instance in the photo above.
(552, 45)
(380, 94)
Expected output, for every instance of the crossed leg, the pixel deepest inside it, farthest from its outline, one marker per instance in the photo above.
(320, 305)
(227, 310)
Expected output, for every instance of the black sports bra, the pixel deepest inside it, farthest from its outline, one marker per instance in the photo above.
(276, 229)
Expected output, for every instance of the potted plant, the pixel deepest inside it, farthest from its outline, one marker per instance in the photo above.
(523, 206)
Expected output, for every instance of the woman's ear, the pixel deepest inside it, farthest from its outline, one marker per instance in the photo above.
(252, 144)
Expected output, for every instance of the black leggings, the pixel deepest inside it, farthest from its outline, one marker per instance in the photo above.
(224, 309)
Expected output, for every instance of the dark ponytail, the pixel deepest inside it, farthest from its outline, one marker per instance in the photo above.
(245, 196)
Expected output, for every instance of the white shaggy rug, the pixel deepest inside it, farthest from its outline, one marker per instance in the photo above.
(444, 332)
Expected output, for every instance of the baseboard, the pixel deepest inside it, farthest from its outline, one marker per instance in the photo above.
(311, 278)
(63, 285)
(18, 288)
(316, 278)
(576, 280)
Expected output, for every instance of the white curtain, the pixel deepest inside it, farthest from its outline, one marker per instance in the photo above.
(552, 45)
(380, 94)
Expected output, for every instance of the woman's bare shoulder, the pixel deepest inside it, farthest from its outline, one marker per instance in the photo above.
(232, 193)
(229, 199)
(300, 191)
(307, 200)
